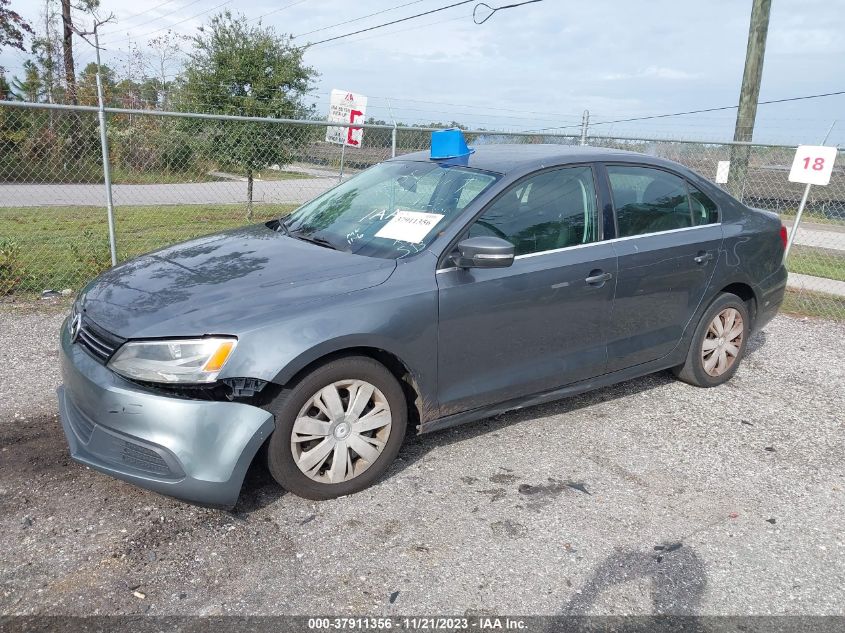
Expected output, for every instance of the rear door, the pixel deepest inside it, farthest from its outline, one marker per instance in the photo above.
(542, 322)
(668, 239)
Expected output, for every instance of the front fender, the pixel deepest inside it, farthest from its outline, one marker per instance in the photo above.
(399, 318)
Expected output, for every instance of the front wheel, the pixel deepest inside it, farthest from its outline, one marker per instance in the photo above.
(718, 344)
(338, 429)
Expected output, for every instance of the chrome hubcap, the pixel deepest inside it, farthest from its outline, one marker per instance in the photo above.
(722, 342)
(341, 431)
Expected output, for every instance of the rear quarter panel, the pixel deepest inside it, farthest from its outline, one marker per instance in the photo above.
(752, 254)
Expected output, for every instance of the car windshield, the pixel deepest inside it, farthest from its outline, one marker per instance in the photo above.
(392, 210)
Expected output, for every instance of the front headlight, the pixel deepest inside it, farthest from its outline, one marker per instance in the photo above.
(174, 361)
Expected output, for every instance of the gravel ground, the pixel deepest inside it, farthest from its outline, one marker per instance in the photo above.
(650, 496)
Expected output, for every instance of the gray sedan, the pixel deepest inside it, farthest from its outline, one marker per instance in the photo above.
(421, 294)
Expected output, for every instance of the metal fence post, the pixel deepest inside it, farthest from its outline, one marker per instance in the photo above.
(393, 132)
(342, 156)
(104, 145)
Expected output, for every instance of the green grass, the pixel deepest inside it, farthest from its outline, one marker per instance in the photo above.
(814, 304)
(818, 262)
(63, 247)
(275, 174)
(128, 177)
(123, 176)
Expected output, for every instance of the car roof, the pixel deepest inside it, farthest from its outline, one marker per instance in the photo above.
(506, 158)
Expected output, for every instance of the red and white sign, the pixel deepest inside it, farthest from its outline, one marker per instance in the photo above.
(812, 164)
(346, 107)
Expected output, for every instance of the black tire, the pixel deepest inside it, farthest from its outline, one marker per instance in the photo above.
(693, 371)
(280, 458)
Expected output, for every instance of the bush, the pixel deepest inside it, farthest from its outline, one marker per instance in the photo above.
(151, 145)
(11, 268)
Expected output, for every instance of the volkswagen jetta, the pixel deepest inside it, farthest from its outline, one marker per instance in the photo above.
(425, 292)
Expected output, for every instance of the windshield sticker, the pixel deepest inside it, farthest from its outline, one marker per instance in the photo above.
(409, 226)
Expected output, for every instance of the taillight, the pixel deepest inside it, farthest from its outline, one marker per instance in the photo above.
(783, 237)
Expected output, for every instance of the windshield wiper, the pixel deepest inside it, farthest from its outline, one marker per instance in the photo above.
(319, 241)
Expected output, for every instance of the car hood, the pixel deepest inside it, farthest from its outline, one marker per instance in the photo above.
(223, 284)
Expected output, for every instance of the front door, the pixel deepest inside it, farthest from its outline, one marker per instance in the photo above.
(541, 323)
(668, 244)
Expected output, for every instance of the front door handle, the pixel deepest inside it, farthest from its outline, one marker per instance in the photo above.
(702, 258)
(598, 279)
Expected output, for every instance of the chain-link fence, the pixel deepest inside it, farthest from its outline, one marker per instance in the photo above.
(176, 176)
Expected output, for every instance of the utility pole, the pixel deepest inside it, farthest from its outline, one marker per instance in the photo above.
(585, 124)
(749, 94)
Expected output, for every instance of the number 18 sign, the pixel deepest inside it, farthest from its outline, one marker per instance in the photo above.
(812, 164)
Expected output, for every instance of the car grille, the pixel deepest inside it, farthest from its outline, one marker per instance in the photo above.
(98, 342)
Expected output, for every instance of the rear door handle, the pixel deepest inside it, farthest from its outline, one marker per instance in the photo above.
(598, 279)
(702, 258)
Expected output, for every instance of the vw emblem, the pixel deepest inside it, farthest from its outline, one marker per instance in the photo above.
(75, 327)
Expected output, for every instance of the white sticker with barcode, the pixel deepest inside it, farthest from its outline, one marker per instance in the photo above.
(409, 226)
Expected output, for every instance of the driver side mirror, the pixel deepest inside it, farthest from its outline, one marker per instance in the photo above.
(484, 252)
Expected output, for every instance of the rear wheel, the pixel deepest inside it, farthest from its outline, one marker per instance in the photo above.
(718, 344)
(338, 429)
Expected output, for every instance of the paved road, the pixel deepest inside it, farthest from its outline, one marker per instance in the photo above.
(553, 509)
(816, 284)
(818, 235)
(273, 191)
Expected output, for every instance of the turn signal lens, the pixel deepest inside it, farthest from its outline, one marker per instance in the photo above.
(215, 363)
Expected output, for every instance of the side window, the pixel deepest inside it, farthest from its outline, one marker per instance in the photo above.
(545, 212)
(704, 210)
(648, 200)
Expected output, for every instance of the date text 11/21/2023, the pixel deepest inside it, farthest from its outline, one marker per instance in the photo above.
(420, 623)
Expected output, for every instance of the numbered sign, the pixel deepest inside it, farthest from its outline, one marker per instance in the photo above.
(813, 164)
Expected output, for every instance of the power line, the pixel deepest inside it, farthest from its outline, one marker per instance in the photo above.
(287, 6)
(224, 3)
(483, 5)
(363, 17)
(163, 15)
(166, 28)
(379, 26)
(377, 35)
(674, 114)
(131, 16)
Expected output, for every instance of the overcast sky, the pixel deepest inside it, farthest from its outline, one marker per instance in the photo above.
(541, 65)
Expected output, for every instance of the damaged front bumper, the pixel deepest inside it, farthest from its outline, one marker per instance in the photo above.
(195, 450)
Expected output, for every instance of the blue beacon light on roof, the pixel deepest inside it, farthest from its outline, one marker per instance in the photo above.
(449, 147)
